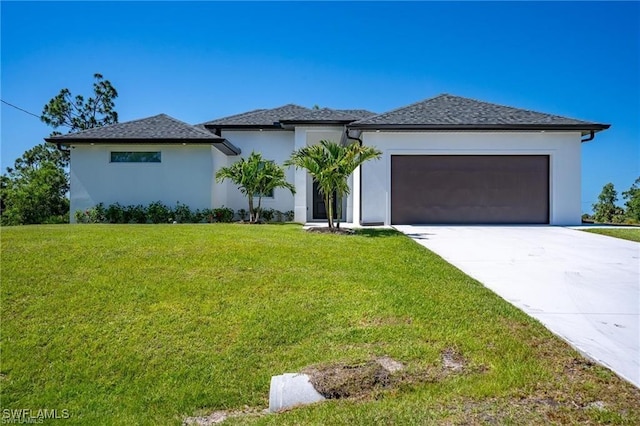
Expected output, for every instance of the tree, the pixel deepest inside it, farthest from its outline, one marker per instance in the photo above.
(330, 165)
(633, 201)
(35, 189)
(255, 177)
(76, 114)
(605, 210)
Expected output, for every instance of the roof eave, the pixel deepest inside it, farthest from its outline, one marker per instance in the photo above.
(221, 144)
(584, 128)
(274, 126)
(146, 141)
(324, 122)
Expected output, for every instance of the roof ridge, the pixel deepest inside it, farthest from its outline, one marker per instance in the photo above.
(513, 107)
(253, 112)
(459, 111)
(113, 124)
(175, 120)
(402, 107)
(161, 126)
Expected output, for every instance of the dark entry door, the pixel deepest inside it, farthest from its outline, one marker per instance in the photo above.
(469, 189)
(319, 209)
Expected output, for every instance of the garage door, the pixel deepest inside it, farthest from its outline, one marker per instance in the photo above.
(469, 189)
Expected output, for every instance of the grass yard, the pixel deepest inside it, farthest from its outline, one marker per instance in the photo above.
(149, 324)
(631, 234)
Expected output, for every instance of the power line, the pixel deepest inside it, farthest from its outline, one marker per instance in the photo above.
(19, 109)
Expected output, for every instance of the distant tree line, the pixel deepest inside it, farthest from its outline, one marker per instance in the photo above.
(606, 210)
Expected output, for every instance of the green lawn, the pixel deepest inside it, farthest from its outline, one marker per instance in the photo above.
(631, 234)
(148, 324)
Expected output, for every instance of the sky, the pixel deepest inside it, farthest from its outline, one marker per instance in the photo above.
(197, 61)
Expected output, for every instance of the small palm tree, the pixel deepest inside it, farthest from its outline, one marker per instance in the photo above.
(330, 165)
(255, 177)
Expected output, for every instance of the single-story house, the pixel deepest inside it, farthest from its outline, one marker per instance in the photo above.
(446, 160)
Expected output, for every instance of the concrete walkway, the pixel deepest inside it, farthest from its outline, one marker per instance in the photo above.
(583, 287)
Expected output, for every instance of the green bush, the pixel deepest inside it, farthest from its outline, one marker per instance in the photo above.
(157, 212)
(93, 215)
(182, 213)
(223, 214)
(267, 215)
(242, 214)
(57, 219)
(115, 213)
(79, 216)
(203, 216)
(135, 214)
(289, 216)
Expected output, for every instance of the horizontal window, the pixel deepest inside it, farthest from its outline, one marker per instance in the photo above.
(135, 156)
(267, 195)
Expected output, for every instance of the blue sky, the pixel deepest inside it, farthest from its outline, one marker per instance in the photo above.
(203, 60)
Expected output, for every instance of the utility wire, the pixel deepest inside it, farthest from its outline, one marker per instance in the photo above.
(19, 109)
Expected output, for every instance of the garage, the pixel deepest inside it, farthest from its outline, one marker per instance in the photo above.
(469, 189)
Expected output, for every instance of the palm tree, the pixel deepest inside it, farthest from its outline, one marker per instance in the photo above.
(330, 165)
(255, 177)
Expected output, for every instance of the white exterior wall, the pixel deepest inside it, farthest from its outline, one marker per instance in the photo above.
(185, 174)
(274, 145)
(563, 149)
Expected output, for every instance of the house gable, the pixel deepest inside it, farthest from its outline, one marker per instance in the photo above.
(447, 112)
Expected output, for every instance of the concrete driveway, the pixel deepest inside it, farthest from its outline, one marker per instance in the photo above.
(583, 287)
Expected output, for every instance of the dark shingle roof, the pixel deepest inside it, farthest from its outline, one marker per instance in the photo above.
(288, 114)
(261, 117)
(454, 112)
(360, 113)
(159, 128)
(320, 115)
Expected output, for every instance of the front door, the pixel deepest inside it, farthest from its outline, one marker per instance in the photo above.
(319, 210)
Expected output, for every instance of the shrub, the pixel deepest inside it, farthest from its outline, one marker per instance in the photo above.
(135, 214)
(115, 213)
(242, 214)
(93, 215)
(204, 216)
(267, 214)
(157, 212)
(223, 214)
(183, 213)
(289, 215)
(278, 215)
(57, 219)
(79, 216)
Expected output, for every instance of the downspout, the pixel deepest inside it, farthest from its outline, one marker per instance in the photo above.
(357, 138)
(59, 146)
(592, 134)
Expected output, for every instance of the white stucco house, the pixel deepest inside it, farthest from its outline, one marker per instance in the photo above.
(446, 160)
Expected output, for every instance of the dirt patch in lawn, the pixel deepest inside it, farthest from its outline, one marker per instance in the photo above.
(342, 380)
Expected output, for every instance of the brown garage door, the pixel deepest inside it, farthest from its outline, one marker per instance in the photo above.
(469, 189)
